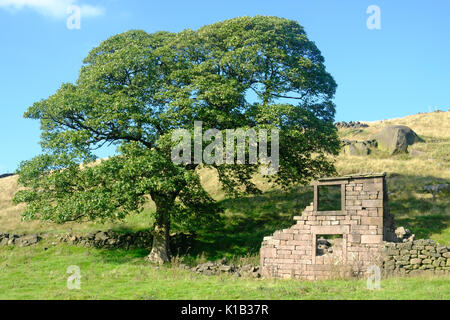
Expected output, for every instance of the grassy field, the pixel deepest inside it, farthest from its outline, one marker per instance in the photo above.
(35, 273)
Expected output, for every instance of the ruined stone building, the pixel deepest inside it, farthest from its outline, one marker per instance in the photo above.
(341, 232)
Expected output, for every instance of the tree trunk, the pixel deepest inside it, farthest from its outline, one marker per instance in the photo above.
(160, 250)
(161, 234)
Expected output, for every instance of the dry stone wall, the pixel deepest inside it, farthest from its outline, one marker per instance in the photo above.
(7, 239)
(140, 239)
(101, 239)
(415, 257)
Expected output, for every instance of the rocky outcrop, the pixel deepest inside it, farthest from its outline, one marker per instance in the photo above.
(404, 235)
(393, 139)
(396, 139)
(416, 256)
(359, 148)
(18, 240)
(351, 124)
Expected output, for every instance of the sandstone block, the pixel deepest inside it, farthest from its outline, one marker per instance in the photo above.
(355, 238)
(366, 238)
(372, 203)
(415, 261)
(374, 221)
(285, 236)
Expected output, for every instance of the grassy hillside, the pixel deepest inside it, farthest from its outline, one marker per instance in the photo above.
(248, 219)
(428, 162)
(39, 272)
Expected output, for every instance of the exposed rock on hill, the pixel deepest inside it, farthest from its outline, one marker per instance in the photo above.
(396, 139)
(358, 148)
(351, 124)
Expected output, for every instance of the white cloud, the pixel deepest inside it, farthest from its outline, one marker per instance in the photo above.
(53, 8)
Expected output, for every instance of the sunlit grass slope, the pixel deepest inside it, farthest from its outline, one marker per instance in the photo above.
(35, 273)
(249, 219)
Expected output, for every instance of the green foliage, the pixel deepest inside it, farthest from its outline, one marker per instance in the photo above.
(135, 88)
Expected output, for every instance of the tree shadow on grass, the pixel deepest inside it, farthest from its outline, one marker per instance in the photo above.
(414, 208)
(120, 256)
(425, 226)
(248, 220)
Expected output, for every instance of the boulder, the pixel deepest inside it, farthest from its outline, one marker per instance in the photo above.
(396, 139)
(356, 148)
(404, 235)
(400, 232)
(359, 148)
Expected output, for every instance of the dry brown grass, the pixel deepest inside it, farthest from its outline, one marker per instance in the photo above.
(11, 216)
(432, 157)
(433, 124)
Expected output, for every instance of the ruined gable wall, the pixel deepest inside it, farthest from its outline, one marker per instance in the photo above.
(292, 252)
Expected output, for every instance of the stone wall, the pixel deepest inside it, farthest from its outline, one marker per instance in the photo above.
(109, 239)
(140, 239)
(415, 257)
(224, 267)
(362, 224)
(102, 239)
(7, 239)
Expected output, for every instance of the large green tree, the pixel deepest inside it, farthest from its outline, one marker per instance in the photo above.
(136, 88)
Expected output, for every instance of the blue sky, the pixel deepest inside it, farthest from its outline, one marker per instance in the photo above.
(401, 69)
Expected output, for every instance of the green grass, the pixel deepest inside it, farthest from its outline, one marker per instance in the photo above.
(32, 273)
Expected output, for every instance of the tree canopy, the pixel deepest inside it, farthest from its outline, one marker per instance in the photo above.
(136, 88)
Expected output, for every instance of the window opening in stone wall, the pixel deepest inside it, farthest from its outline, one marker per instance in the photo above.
(329, 198)
(329, 244)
